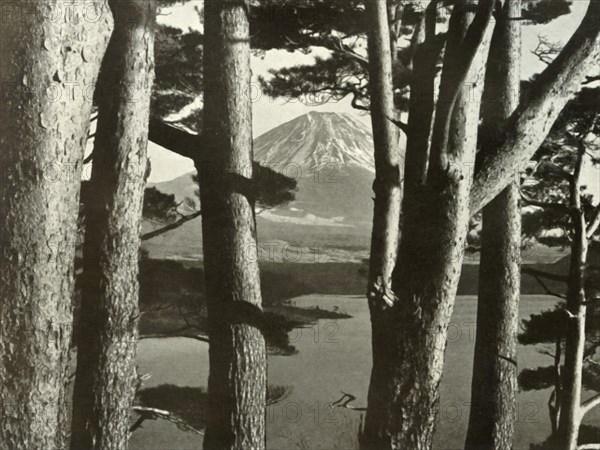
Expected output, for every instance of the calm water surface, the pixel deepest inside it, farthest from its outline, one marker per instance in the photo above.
(335, 356)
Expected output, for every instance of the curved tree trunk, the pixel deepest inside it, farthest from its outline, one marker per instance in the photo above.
(47, 67)
(108, 326)
(237, 354)
(434, 229)
(494, 384)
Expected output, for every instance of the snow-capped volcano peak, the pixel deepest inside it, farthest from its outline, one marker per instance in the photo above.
(317, 140)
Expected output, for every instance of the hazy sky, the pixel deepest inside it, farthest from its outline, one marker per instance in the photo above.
(269, 113)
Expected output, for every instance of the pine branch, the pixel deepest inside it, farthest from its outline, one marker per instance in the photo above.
(533, 120)
(589, 447)
(175, 139)
(89, 158)
(589, 404)
(197, 337)
(403, 126)
(339, 46)
(155, 413)
(172, 226)
(532, 202)
(589, 80)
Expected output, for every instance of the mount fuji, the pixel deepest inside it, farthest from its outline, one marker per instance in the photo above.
(331, 157)
(316, 140)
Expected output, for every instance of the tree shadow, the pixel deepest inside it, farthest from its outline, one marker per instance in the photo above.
(188, 406)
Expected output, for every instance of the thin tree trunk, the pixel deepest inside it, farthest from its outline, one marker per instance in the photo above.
(494, 384)
(554, 401)
(47, 67)
(387, 186)
(108, 326)
(435, 225)
(237, 355)
(570, 399)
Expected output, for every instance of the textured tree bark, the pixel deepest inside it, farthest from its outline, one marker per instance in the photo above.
(435, 224)
(237, 355)
(423, 96)
(570, 396)
(50, 58)
(422, 103)
(494, 384)
(387, 185)
(532, 120)
(435, 221)
(108, 325)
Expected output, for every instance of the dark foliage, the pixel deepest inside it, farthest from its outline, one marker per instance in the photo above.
(178, 72)
(544, 11)
(340, 27)
(587, 435)
(159, 207)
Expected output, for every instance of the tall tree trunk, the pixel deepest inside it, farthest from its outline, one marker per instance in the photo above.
(237, 355)
(421, 111)
(434, 230)
(555, 396)
(494, 384)
(49, 59)
(387, 186)
(108, 325)
(570, 398)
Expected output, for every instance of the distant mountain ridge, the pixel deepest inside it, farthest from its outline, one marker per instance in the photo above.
(332, 157)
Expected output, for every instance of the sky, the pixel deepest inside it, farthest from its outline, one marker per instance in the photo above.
(269, 113)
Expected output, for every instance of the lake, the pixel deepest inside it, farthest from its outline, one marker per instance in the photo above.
(335, 356)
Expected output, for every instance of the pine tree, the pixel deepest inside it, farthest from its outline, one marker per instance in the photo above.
(107, 331)
(560, 200)
(494, 383)
(237, 353)
(404, 390)
(387, 186)
(51, 55)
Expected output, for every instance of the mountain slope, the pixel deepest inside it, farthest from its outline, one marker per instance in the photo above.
(316, 142)
(331, 157)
